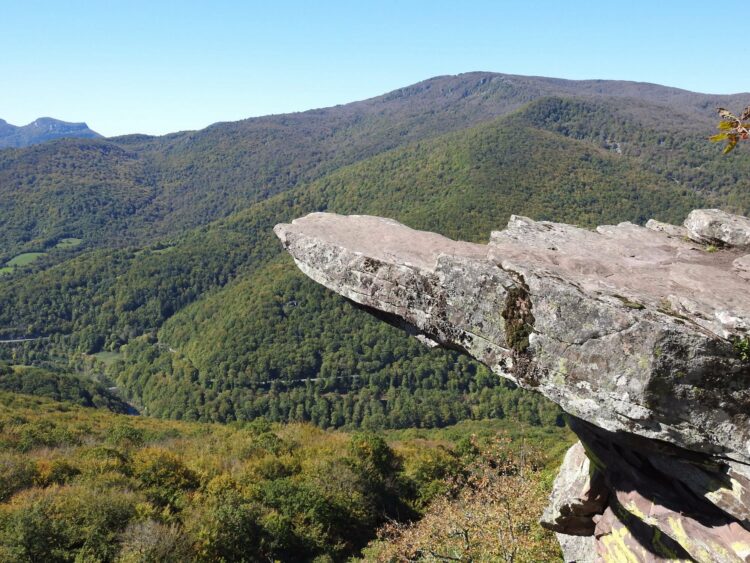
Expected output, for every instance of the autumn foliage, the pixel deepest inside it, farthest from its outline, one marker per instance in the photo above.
(489, 514)
(733, 129)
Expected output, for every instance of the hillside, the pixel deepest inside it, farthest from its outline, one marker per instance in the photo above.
(213, 317)
(142, 274)
(86, 484)
(134, 189)
(275, 324)
(40, 131)
(212, 323)
(61, 386)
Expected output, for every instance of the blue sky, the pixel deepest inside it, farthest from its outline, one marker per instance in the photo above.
(155, 67)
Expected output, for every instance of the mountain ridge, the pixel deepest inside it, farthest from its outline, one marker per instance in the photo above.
(544, 85)
(182, 180)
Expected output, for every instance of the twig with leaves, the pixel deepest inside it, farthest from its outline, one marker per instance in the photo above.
(733, 129)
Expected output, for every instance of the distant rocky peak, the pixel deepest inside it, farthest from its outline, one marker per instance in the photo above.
(41, 130)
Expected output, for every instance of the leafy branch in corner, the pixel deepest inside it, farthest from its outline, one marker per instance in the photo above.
(733, 128)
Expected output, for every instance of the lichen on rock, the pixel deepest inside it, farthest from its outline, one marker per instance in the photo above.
(519, 319)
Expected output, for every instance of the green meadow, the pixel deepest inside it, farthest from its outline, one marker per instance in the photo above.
(24, 259)
(107, 358)
(70, 242)
(29, 257)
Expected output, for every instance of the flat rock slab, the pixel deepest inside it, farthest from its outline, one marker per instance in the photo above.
(628, 328)
(641, 267)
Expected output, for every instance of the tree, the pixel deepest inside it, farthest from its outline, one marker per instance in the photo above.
(490, 514)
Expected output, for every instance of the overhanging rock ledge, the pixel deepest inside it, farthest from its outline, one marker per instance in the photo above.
(638, 333)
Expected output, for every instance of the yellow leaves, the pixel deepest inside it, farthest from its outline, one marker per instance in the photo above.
(49, 472)
(736, 128)
(731, 143)
(220, 484)
(491, 515)
(145, 510)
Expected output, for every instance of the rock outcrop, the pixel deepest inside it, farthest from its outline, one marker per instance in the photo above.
(712, 226)
(640, 334)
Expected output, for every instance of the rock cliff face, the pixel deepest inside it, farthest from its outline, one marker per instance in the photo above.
(640, 334)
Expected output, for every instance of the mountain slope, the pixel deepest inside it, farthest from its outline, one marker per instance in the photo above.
(185, 179)
(463, 184)
(253, 320)
(86, 484)
(218, 327)
(40, 131)
(275, 325)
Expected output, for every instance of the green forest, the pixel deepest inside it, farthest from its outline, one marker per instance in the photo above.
(216, 324)
(172, 388)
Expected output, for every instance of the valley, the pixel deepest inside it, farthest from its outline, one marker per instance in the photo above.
(203, 318)
(141, 274)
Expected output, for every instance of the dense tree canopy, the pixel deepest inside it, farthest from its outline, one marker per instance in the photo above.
(216, 324)
(84, 484)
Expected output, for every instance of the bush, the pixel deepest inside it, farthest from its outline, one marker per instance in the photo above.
(163, 477)
(371, 456)
(150, 541)
(125, 436)
(16, 473)
(103, 459)
(56, 472)
(226, 527)
(489, 515)
(66, 523)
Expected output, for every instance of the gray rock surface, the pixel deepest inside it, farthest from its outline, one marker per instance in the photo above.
(627, 328)
(577, 549)
(631, 330)
(578, 494)
(741, 266)
(667, 229)
(713, 226)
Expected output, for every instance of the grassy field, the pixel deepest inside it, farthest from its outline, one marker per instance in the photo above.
(24, 259)
(20, 260)
(107, 358)
(68, 243)
(28, 257)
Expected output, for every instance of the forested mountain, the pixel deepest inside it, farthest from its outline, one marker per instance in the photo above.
(136, 188)
(213, 323)
(42, 130)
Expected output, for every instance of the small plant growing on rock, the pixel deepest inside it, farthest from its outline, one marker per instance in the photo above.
(742, 347)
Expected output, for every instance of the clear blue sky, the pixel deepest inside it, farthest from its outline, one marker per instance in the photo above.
(160, 66)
